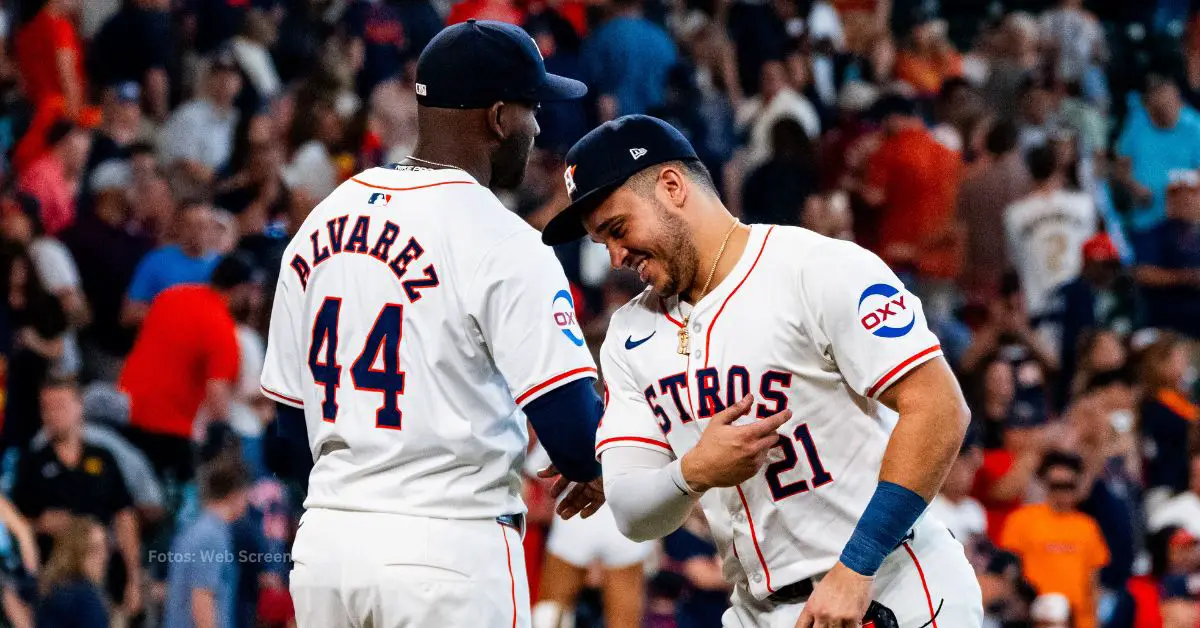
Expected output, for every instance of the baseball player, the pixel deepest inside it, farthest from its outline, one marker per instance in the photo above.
(417, 323)
(752, 376)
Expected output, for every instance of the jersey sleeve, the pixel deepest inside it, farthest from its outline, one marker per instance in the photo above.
(863, 318)
(281, 374)
(525, 311)
(628, 420)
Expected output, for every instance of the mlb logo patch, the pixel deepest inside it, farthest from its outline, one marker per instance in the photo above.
(379, 198)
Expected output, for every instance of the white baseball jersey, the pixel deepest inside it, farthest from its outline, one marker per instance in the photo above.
(414, 316)
(805, 322)
(1045, 242)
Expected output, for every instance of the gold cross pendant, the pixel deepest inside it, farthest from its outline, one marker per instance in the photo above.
(683, 340)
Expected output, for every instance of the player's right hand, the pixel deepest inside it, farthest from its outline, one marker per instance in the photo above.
(729, 454)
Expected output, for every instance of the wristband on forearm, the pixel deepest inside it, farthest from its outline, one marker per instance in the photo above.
(888, 518)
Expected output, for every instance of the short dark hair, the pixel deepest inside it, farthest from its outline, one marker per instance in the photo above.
(1002, 137)
(233, 270)
(693, 168)
(58, 131)
(1154, 79)
(1058, 458)
(221, 478)
(61, 383)
(1042, 163)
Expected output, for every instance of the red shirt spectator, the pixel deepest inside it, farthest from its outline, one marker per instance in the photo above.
(53, 179)
(498, 10)
(913, 180)
(49, 56)
(187, 340)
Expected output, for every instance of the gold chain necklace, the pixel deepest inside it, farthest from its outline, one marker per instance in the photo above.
(684, 338)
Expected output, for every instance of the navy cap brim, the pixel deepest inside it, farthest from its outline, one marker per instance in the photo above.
(567, 225)
(557, 88)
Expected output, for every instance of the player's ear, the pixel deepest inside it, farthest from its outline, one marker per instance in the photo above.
(495, 120)
(673, 185)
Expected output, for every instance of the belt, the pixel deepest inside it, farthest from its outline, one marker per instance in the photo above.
(799, 592)
(516, 522)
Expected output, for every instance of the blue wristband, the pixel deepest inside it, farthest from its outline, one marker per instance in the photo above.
(889, 516)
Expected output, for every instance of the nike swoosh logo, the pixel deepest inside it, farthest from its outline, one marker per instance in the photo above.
(630, 343)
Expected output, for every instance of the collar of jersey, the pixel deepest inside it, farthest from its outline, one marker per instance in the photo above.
(400, 180)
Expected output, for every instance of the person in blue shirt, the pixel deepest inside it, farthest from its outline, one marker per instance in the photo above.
(1168, 259)
(202, 577)
(625, 62)
(1160, 135)
(189, 261)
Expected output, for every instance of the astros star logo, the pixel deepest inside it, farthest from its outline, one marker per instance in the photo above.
(569, 178)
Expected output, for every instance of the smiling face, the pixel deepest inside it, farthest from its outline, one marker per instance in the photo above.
(644, 233)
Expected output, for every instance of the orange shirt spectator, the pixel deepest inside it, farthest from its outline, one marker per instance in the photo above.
(1061, 549)
(187, 340)
(913, 181)
(49, 57)
(929, 59)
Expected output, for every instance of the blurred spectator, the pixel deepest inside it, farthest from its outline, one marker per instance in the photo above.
(120, 127)
(376, 43)
(953, 505)
(1100, 298)
(135, 46)
(197, 138)
(1168, 259)
(56, 271)
(829, 215)
(1167, 415)
(776, 192)
(69, 477)
(1061, 549)
(1045, 232)
(1183, 510)
(188, 262)
(578, 544)
(1038, 106)
(775, 101)
(1011, 453)
(1103, 419)
(1075, 39)
(496, 10)
(912, 181)
(54, 178)
(203, 592)
(1015, 56)
(106, 254)
(705, 593)
(251, 49)
(49, 55)
(72, 586)
(1051, 610)
(312, 145)
(961, 117)
(186, 325)
(14, 604)
(34, 341)
(928, 58)
(625, 62)
(996, 180)
(1160, 135)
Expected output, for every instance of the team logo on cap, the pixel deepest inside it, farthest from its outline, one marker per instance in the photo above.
(637, 153)
(883, 311)
(569, 178)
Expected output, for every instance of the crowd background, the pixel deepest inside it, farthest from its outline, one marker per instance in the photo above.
(1028, 167)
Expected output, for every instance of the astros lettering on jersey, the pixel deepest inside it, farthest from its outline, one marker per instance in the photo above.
(804, 322)
(412, 310)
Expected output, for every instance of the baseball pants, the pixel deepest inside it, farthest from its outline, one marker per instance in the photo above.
(927, 582)
(358, 569)
(581, 542)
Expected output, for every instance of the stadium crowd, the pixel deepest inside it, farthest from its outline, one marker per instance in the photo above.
(1030, 168)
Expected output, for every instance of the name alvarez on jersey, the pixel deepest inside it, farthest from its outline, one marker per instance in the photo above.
(329, 242)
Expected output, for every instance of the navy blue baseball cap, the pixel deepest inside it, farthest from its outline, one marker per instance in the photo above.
(604, 159)
(477, 63)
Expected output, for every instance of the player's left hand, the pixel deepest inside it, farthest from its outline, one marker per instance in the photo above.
(840, 600)
(581, 499)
